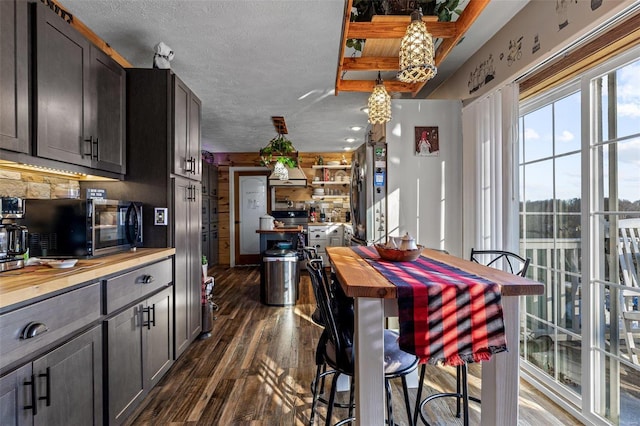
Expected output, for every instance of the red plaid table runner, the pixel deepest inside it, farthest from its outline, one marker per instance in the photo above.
(446, 315)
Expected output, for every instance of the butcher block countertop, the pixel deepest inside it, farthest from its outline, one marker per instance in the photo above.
(35, 282)
(280, 230)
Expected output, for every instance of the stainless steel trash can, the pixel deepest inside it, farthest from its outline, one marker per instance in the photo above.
(280, 277)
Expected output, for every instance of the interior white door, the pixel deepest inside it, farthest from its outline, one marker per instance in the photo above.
(252, 203)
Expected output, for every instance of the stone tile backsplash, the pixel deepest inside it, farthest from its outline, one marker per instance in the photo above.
(33, 185)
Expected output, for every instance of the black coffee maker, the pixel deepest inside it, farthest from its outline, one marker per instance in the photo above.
(14, 238)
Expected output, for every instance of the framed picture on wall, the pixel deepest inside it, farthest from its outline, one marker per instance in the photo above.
(427, 143)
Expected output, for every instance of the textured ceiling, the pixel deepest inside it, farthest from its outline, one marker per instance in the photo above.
(250, 60)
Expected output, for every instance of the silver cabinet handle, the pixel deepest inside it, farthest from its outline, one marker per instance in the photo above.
(32, 330)
(147, 279)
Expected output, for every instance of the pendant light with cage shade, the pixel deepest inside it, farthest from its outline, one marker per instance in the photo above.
(379, 103)
(416, 52)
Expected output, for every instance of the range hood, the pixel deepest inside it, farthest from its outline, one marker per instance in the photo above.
(296, 178)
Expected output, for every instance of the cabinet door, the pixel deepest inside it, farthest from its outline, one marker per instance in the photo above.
(213, 181)
(213, 247)
(213, 209)
(182, 163)
(124, 375)
(181, 285)
(195, 108)
(335, 241)
(206, 247)
(205, 179)
(15, 395)
(108, 106)
(158, 337)
(14, 76)
(195, 264)
(69, 382)
(62, 86)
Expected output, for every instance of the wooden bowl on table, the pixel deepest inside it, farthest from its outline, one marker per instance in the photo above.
(397, 255)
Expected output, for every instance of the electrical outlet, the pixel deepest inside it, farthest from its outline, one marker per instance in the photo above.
(161, 216)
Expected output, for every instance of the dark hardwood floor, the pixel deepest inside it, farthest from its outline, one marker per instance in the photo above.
(257, 367)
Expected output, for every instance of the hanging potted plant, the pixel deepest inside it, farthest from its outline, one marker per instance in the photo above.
(279, 147)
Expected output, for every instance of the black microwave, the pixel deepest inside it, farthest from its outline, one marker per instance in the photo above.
(82, 228)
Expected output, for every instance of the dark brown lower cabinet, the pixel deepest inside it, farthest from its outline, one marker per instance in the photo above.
(63, 387)
(139, 352)
(187, 267)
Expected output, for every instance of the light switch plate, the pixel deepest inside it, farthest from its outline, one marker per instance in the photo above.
(161, 216)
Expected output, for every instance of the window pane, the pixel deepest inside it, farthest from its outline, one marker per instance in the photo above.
(570, 305)
(628, 99)
(521, 137)
(625, 158)
(538, 132)
(567, 124)
(569, 228)
(539, 344)
(568, 183)
(629, 391)
(539, 226)
(538, 184)
(569, 361)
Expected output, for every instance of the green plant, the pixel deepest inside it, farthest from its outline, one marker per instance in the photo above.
(445, 10)
(363, 10)
(279, 146)
(204, 260)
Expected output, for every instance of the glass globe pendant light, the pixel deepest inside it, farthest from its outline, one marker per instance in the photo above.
(416, 52)
(379, 103)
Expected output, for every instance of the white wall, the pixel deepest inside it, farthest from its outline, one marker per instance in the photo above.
(537, 33)
(425, 193)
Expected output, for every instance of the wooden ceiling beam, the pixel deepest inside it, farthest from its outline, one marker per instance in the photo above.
(393, 27)
(368, 85)
(371, 63)
(343, 44)
(366, 30)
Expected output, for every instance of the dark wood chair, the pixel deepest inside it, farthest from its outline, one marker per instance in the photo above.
(337, 346)
(500, 259)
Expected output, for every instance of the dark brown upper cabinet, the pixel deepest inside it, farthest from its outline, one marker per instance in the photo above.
(186, 149)
(14, 76)
(79, 98)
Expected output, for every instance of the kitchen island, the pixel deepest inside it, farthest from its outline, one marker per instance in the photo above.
(269, 236)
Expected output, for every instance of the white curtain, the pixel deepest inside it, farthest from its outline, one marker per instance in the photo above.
(490, 165)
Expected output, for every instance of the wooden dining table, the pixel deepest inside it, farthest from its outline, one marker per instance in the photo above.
(376, 298)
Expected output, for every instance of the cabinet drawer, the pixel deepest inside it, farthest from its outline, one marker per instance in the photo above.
(205, 210)
(335, 231)
(317, 233)
(61, 316)
(126, 288)
(320, 229)
(319, 245)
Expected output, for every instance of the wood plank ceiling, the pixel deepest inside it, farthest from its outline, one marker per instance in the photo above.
(382, 45)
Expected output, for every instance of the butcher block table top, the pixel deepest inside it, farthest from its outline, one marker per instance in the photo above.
(292, 229)
(34, 282)
(359, 279)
